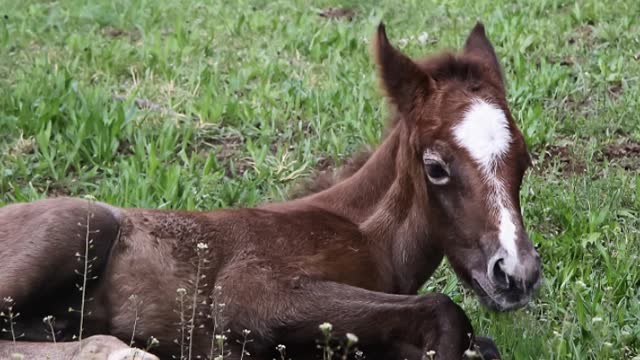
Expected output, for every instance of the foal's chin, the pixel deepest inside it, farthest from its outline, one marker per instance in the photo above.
(501, 301)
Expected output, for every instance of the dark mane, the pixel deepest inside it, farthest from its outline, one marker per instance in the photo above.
(324, 179)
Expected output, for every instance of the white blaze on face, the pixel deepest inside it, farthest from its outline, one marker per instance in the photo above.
(484, 133)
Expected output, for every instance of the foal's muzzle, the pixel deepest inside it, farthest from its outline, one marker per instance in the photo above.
(509, 284)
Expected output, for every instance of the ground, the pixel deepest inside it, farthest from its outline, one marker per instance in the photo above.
(201, 105)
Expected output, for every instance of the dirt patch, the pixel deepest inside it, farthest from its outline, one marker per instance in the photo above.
(58, 190)
(338, 13)
(22, 146)
(625, 155)
(615, 91)
(114, 33)
(227, 149)
(576, 105)
(567, 163)
(583, 34)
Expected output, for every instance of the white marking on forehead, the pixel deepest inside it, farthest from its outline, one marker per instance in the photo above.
(484, 133)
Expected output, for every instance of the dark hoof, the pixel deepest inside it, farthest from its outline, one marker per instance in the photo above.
(487, 348)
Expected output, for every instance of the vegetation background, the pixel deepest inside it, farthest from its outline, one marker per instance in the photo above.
(206, 104)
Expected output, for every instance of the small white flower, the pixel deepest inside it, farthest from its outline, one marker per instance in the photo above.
(246, 332)
(47, 319)
(472, 354)
(402, 43)
(153, 341)
(202, 246)
(8, 299)
(423, 38)
(181, 291)
(221, 337)
(325, 327)
(596, 319)
(352, 338)
(281, 348)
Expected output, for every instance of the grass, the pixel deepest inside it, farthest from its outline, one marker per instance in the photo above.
(256, 94)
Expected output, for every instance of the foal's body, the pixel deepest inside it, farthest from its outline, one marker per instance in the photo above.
(352, 255)
(332, 262)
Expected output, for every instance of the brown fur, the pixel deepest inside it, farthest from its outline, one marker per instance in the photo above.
(352, 253)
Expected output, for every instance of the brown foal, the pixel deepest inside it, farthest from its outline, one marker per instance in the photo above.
(444, 182)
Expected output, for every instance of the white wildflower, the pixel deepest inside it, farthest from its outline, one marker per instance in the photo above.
(403, 42)
(325, 327)
(423, 38)
(246, 332)
(202, 246)
(181, 291)
(47, 319)
(281, 348)
(153, 341)
(221, 337)
(352, 338)
(471, 354)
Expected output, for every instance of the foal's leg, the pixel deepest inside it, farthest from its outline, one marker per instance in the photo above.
(391, 326)
(40, 244)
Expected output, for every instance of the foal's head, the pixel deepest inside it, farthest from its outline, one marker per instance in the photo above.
(474, 157)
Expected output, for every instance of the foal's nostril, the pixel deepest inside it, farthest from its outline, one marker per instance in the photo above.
(499, 276)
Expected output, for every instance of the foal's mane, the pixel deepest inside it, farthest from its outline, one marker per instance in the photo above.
(442, 67)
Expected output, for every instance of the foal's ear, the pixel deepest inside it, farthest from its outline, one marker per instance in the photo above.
(478, 44)
(406, 85)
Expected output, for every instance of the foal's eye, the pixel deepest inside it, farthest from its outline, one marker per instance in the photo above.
(437, 173)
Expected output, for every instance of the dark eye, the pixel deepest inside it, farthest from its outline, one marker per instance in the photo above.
(437, 173)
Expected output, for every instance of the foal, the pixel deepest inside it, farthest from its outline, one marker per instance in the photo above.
(444, 182)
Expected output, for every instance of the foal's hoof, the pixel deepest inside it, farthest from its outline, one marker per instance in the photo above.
(487, 348)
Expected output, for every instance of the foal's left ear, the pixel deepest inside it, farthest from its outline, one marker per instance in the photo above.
(478, 44)
(406, 85)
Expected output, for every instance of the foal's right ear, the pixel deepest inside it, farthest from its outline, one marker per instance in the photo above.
(406, 85)
(478, 44)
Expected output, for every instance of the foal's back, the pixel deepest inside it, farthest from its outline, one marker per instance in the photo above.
(144, 264)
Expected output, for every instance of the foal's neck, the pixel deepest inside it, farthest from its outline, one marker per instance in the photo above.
(387, 198)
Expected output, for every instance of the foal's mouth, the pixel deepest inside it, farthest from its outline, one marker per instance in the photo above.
(501, 300)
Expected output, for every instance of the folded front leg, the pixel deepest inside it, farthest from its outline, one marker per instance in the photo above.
(404, 326)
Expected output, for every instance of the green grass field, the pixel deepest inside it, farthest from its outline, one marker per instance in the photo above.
(196, 105)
